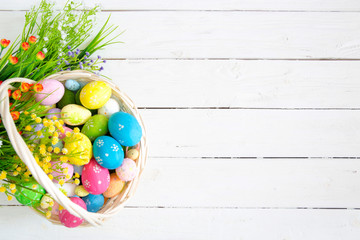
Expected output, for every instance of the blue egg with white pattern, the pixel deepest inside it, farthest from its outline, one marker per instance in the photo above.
(59, 144)
(125, 128)
(94, 202)
(72, 85)
(108, 152)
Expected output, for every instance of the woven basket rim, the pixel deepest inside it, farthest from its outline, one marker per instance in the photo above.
(113, 205)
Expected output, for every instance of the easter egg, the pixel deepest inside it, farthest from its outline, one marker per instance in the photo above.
(51, 94)
(125, 128)
(69, 220)
(63, 135)
(59, 144)
(94, 202)
(78, 169)
(55, 209)
(96, 126)
(46, 201)
(75, 115)
(115, 187)
(30, 194)
(95, 94)
(68, 98)
(132, 154)
(80, 148)
(108, 152)
(81, 191)
(57, 173)
(127, 171)
(77, 97)
(67, 188)
(54, 112)
(112, 106)
(95, 178)
(72, 85)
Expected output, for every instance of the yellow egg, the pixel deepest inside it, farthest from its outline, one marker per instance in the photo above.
(95, 94)
(79, 149)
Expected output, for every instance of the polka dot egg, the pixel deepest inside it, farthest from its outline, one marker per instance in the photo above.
(125, 128)
(95, 94)
(127, 171)
(95, 178)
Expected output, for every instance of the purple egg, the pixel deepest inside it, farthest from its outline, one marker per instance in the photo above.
(56, 113)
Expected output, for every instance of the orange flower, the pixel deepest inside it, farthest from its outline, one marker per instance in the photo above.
(25, 87)
(38, 87)
(40, 56)
(1, 82)
(4, 43)
(16, 94)
(25, 46)
(15, 115)
(32, 39)
(13, 60)
(9, 92)
(13, 108)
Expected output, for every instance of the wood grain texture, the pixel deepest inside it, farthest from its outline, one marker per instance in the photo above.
(244, 35)
(243, 5)
(238, 84)
(207, 224)
(246, 183)
(252, 133)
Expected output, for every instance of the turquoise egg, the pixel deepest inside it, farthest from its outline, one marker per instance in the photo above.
(125, 128)
(59, 144)
(72, 85)
(94, 202)
(108, 152)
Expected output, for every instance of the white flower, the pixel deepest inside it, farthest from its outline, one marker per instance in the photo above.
(1, 143)
(45, 50)
(46, 39)
(60, 54)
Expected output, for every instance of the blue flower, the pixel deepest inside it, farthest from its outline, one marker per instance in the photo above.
(87, 53)
(69, 47)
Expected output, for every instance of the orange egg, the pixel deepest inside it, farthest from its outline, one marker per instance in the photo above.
(115, 187)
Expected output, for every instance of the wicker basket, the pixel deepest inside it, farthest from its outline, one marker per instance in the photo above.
(114, 204)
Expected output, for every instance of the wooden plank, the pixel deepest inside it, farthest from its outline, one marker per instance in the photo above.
(253, 133)
(209, 34)
(247, 183)
(199, 224)
(238, 84)
(262, 5)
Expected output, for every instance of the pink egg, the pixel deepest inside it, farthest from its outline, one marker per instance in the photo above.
(127, 171)
(63, 135)
(95, 178)
(57, 174)
(52, 93)
(69, 220)
(55, 209)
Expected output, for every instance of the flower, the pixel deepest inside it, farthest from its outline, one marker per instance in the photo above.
(13, 60)
(1, 143)
(40, 56)
(25, 87)
(38, 87)
(45, 50)
(9, 197)
(25, 46)
(46, 39)
(32, 39)
(4, 43)
(15, 115)
(16, 94)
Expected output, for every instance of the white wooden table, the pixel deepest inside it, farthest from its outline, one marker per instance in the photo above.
(253, 115)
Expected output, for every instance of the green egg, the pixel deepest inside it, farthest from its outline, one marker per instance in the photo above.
(95, 127)
(29, 196)
(68, 98)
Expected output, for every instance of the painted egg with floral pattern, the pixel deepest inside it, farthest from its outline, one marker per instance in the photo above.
(94, 202)
(125, 128)
(108, 152)
(95, 127)
(95, 94)
(95, 178)
(51, 94)
(75, 115)
(69, 220)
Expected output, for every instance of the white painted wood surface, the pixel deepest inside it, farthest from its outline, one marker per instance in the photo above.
(252, 113)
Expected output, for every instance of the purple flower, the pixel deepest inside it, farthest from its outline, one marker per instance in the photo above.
(70, 53)
(85, 57)
(84, 62)
(80, 63)
(104, 61)
(68, 69)
(89, 64)
(69, 47)
(77, 51)
(99, 57)
(58, 63)
(81, 66)
(91, 61)
(87, 53)
(102, 68)
(66, 62)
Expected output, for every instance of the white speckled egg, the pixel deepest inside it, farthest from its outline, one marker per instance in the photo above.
(112, 106)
